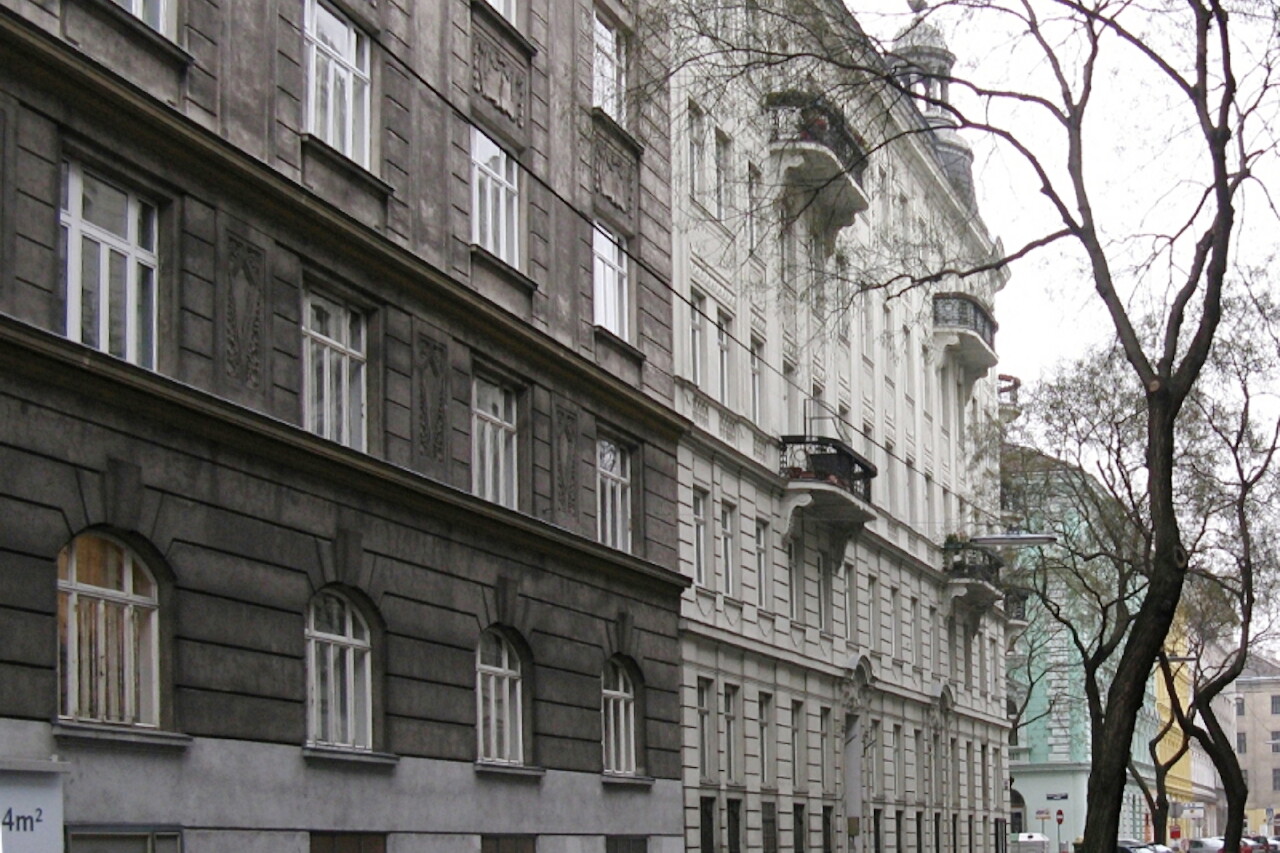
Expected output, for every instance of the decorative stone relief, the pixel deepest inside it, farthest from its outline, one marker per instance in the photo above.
(499, 77)
(729, 428)
(615, 174)
(433, 398)
(565, 460)
(245, 301)
(701, 412)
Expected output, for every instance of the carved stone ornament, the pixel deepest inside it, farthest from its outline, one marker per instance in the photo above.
(243, 315)
(433, 398)
(615, 174)
(499, 77)
(566, 460)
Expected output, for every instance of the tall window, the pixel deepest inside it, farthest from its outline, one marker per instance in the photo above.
(732, 732)
(493, 442)
(764, 732)
(706, 728)
(338, 674)
(612, 297)
(608, 79)
(700, 537)
(1275, 705)
(769, 827)
(613, 494)
(873, 610)
(757, 379)
(697, 317)
(799, 733)
(764, 559)
(153, 13)
(724, 162)
(619, 711)
(825, 608)
(795, 578)
(499, 703)
(799, 828)
(826, 746)
(337, 81)
(108, 635)
(109, 243)
(895, 622)
(506, 8)
(1275, 741)
(495, 199)
(697, 149)
(729, 547)
(334, 370)
(754, 179)
(724, 343)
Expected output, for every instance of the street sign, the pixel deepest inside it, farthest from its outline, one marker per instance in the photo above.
(1175, 831)
(1060, 817)
(1043, 814)
(1055, 796)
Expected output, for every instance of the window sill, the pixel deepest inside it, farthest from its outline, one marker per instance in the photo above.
(314, 146)
(614, 128)
(628, 349)
(498, 265)
(350, 756)
(618, 780)
(506, 27)
(154, 41)
(514, 771)
(123, 736)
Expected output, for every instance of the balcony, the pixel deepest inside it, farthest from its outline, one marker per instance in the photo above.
(967, 329)
(818, 153)
(832, 479)
(973, 576)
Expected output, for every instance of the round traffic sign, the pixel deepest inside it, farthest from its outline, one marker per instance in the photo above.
(1059, 817)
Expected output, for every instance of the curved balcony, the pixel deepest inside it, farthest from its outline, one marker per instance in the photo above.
(818, 153)
(833, 480)
(973, 576)
(969, 326)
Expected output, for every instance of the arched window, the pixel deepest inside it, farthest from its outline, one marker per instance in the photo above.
(338, 674)
(499, 704)
(618, 706)
(108, 634)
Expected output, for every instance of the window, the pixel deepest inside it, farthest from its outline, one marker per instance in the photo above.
(626, 844)
(507, 844)
(338, 674)
(108, 637)
(757, 379)
(1242, 743)
(724, 161)
(850, 601)
(1275, 778)
(108, 238)
(826, 748)
(799, 830)
(764, 580)
(732, 733)
(493, 442)
(608, 79)
(706, 728)
(153, 13)
(769, 827)
(729, 548)
(612, 298)
(133, 841)
(499, 701)
(724, 342)
(346, 842)
(828, 829)
(873, 609)
(798, 733)
(697, 149)
(613, 494)
(733, 819)
(754, 179)
(1275, 741)
(697, 316)
(1275, 704)
(1239, 706)
(764, 733)
(824, 594)
(506, 8)
(795, 578)
(619, 711)
(707, 825)
(337, 81)
(495, 199)
(917, 644)
(333, 364)
(895, 622)
(700, 537)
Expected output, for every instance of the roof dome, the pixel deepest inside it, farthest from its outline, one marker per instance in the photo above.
(921, 39)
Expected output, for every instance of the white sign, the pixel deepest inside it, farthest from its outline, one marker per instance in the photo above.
(1043, 814)
(30, 812)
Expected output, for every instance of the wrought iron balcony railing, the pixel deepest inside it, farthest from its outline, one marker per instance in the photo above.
(827, 460)
(803, 117)
(960, 311)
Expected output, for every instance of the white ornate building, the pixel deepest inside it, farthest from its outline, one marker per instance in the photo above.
(842, 689)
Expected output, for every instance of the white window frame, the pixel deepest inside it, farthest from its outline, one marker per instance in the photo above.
(495, 453)
(699, 512)
(795, 579)
(91, 299)
(757, 380)
(768, 747)
(102, 682)
(613, 494)
(729, 548)
(505, 8)
(724, 345)
(339, 709)
(723, 198)
(610, 277)
(499, 702)
(697, 131)
(609, 69)
(334, 361)
(344, 65)
(697, 321)
(154, 13)
(706, 709)
(755, 178)
(733, 733)
(618, 706)
(495, 199)
(764, 565)
(799, 746)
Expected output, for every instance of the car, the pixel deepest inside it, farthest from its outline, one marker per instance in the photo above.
(1160, 848)
(1205, 845)
(1132, 845)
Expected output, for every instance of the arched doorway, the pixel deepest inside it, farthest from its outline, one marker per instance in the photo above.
(1017, 812)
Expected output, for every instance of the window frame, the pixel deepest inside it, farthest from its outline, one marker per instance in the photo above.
(359, 686)
(728, 536)
(618, 708)
(733, 752)
(608, 90)
(505, 8)
(764, 565)
(353, 61)
(697, 335)
(722, 199)
(506, 434)
(614, 511)
(707, 728)
(724, 357)
(697, 149)
(353, 358)
(495, 177)
(500, 687)
(74, 229)
(698, 513)
(140, 705)
(611, 281)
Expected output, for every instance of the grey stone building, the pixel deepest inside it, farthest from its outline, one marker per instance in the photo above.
(336, 428)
